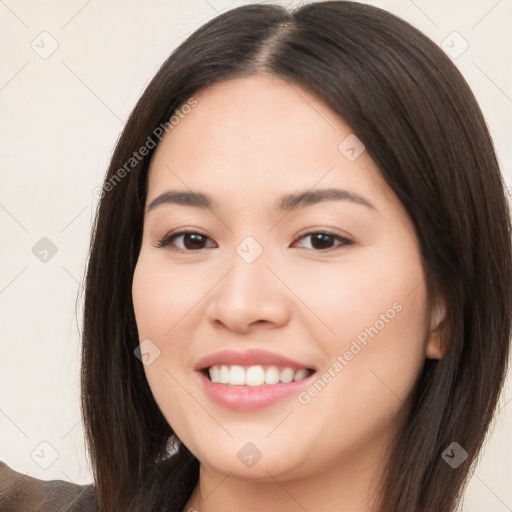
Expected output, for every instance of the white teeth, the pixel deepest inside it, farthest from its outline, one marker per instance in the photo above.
(254, 375)
(286, 375)
(300, 374)
(215, 373)
(272, 375)
(223, 374)
(237, 376)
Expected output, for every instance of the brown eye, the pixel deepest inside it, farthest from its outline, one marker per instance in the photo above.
(323, 240)
(192, 240)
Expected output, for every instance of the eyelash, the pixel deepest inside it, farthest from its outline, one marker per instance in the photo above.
(169, 238)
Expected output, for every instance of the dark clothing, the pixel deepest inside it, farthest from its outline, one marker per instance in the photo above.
(22, 493)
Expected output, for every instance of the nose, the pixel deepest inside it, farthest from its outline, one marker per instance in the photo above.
(249, 294)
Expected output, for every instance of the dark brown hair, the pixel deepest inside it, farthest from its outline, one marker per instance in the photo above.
(414, 112)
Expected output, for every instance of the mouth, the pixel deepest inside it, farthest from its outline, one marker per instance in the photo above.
(251, 379)
(254, 376)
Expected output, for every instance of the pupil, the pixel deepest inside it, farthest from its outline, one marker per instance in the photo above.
(322, 237)
(196, 239)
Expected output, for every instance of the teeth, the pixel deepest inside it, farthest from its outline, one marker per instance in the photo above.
(286, 375)
(215, 373)
(254, 375)
(272, 375)
(237, 376)
(300, 374)
(223, 374)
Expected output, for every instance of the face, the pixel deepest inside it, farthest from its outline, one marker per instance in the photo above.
(328, 290)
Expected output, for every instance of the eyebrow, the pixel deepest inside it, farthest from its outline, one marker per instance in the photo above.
(284, 203)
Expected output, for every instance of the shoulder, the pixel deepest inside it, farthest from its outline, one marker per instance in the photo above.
(22, 493)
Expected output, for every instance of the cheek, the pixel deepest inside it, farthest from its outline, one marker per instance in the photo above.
(164, 296)
(165, 302)
(370, 325)
(378, 294)
(376, 352)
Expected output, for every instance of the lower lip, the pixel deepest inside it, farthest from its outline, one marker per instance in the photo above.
(249, 398)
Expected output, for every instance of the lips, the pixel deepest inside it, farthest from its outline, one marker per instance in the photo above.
(238, 381)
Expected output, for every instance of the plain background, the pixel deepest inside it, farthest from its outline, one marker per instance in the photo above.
(61, 114)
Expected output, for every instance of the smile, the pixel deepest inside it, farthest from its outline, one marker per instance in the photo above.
(257, 375)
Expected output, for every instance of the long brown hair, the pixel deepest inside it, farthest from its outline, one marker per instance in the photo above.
(419, 121)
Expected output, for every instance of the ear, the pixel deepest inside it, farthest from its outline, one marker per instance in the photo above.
(435, 345)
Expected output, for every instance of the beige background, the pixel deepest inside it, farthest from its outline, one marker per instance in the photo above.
(60, 118)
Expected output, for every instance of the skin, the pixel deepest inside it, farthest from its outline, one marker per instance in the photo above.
(247, 142)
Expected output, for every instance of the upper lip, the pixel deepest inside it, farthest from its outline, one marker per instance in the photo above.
(248, 358)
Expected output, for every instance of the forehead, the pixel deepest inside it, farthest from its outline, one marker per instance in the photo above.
(259, 113)
(261, 136)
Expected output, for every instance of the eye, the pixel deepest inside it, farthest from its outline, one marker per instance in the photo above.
(321, 239)
(192, 240)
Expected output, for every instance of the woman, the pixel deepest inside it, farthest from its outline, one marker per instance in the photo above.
(232, 357)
